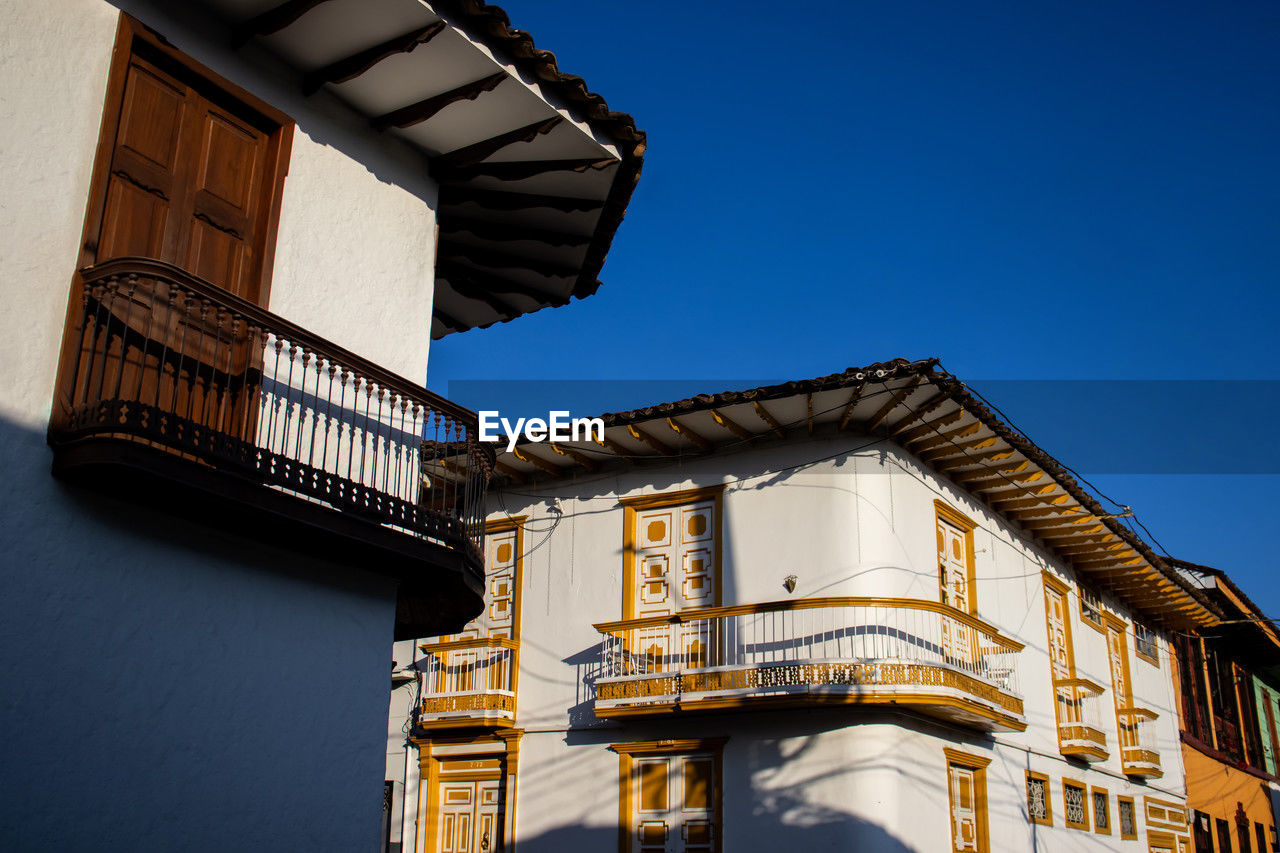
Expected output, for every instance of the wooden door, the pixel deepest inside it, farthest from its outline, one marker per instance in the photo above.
(470, 816)
(185, 182)
(1122, 691)
(674, 804)
(958, 640)
(673, 571)
(1060, 662)
(965, 835)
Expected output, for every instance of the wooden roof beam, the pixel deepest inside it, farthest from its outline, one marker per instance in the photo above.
(953, 448)
(932, 428)
(272, 20)
(894, 400)
(519, 170)
(424, 110)
(448, 320)
(613, 447)
(356, 64)
(578, 457)
(1059, 523)
(504, 232)
(689, 435)
(1016, 484)
(766, 416)
(468, 155)
(918, 413)
(987, 473)
(538, 462)
(488, 257)
(470, 290)
(453, 272)
(732, 426)
(641, 435)
(926, 442)
(1021, 502)
(499, 200)
(854, 396)
(511, 473)
(955, 463)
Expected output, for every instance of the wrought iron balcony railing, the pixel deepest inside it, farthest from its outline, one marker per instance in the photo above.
(920, 654)
(468, 682)
(1080, 731)
(1139, 751)
(165, 366)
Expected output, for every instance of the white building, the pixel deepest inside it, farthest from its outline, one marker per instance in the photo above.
(229, 231)
(855, 612)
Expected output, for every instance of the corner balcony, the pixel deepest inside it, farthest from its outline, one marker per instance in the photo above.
(912, 654)
(1139, 751)
(468, 684)
(1080, 733)
(177, 393)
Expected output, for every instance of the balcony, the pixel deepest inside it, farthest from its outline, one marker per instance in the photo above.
(468, 683)
(1139, 751)
(1080, 733)
(921, 655)
(178, 393)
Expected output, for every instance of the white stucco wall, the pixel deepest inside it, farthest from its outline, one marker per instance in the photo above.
(169, 685)
(820, 778)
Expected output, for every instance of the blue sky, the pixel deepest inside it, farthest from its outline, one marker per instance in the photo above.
(1029, 191)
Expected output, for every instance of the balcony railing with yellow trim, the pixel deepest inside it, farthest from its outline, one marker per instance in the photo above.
(1139, 751)
(877, 651)
(1080, 731)
(468, 682)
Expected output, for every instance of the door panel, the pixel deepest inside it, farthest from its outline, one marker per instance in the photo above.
(470, 816)
(958, 639)
(674, 804)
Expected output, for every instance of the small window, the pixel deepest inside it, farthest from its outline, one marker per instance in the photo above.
(1074, 809)
(1224, 836)
(1145, 643)
(1101, 811)
(1039, 809)
(1261, 832)
(1127, 817)
(1242, 832)
(1090, 607)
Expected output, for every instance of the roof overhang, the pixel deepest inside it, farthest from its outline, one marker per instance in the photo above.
(535, 171)
(927, 411)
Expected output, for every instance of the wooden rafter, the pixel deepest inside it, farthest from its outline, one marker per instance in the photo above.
(1107, 563)
(954, 448)
(537, 461)
(926, 443)
(489, 257)
(916, 433)
(470, 290)
(580, 458)
(766, 416)
(732, 426)
(424, 110)
(684, 431)
(1025, 502)
(1109, 547)
(854, 396)
(613, 447)
(1043, 511)
(1058, 523)
(808, 406)
(505, 232)
(1018, 483)
(499, 200)
(454, 272)
(272, 20)
(519, 170)
(874, 422)
(919, 413)
(356, 64)
(448, 320)
(637, 433)
(507, 471)
(468, 155)
(990, 472)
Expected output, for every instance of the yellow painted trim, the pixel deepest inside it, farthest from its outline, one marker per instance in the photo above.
(1066, 782)
(665, 499)
(1047, 820)
(1093, 811)
(469, 643)
(807, 604)
(1137, 647)
(953, 516)
(1097, 626)
(626, 751)
(1053, 585)
(978, 764)
(1119, 827)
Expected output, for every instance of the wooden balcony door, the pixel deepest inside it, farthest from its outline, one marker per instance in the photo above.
(674, 559)
(958, 640)
(1061, 661)
(189, 171)
(1121, 688)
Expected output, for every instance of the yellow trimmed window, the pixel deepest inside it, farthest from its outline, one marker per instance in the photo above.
(1101, 811)
(1075, 809)
(1127, 818)
(967, 797)
(1039, 807)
